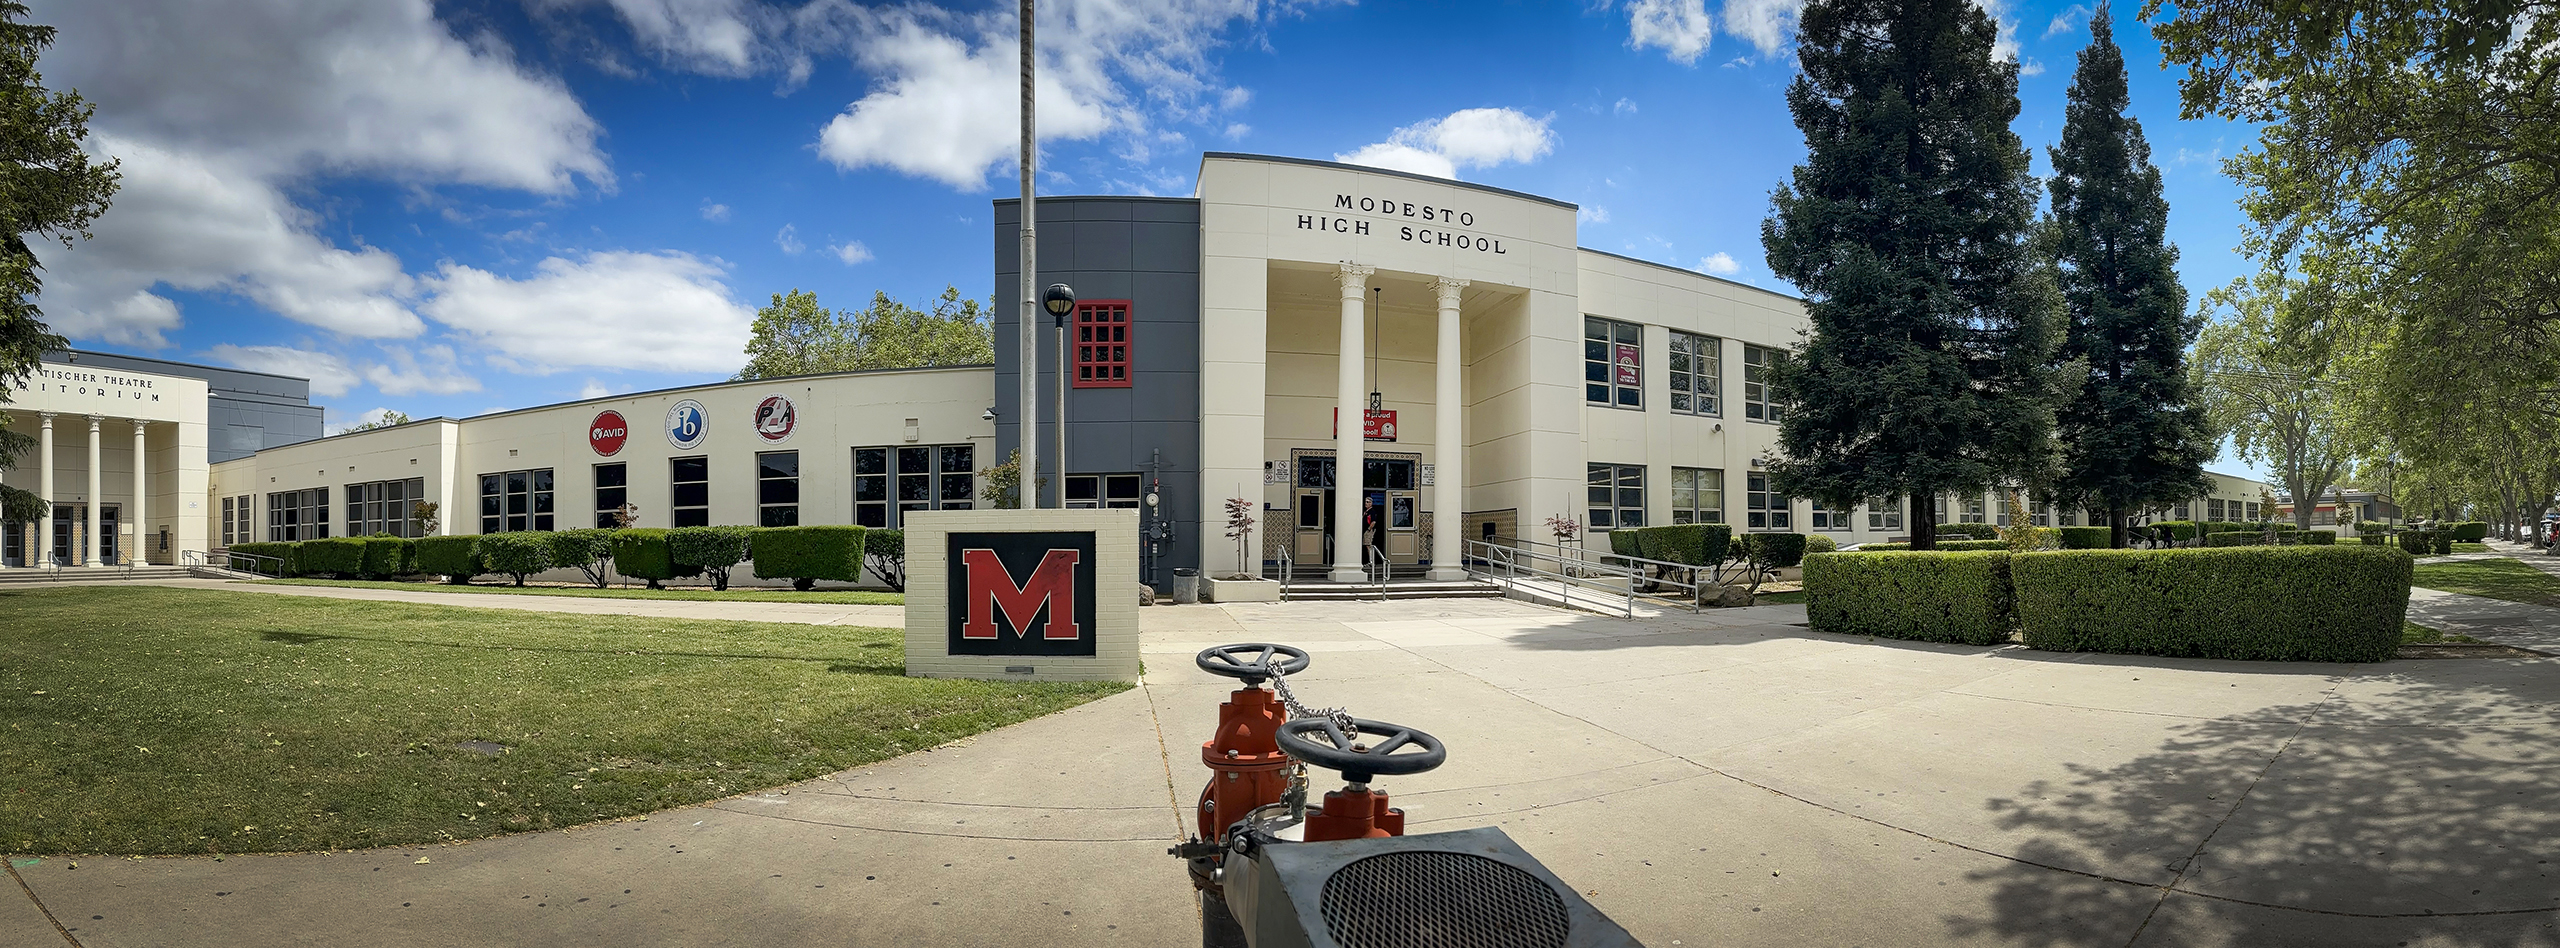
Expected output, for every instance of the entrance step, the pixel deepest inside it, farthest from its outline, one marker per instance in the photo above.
(80, 574)
(1354, 592)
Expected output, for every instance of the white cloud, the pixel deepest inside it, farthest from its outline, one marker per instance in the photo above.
(1768, 24)
(715, 213)
(851, 252)
(431, 369)
(1624, 107)
(1591, 214)
(1236, 131)
(788, 238)
(1720, 264)
(2068, 20)
(609, 310)
(1679, 27)
(330, 376)
(718, 37)
(1468, 138)
(593, 389)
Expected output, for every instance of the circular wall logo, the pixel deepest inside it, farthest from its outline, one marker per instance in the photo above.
(687, 425)
(607, 433)
(775, 419)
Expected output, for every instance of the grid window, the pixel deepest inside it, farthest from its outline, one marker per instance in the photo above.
(1766, 508)
(298, 514)
(1612, 362)
(928, 477)
(1884, 513)
(1102, 344)
(1103, 490)
(1824, 518)
(690, 502)
(2253, 512)
(778, 489)
(2213, 509)
(226, 521)
(2180, 513)
(613, 489)
(1697, 374)
(247, 527)
(1757, 404)
(1697, 495)
(382, 508)
(516, 501)
(1973, 510)
(2043, 516)
(1616, 494)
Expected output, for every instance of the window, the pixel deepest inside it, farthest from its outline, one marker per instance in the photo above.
(2213, 509)
(1824, 519)
(1696, 374)
(2043, 516)
(2253, 512)
(1884, 513)
(515, 501)
(1612, 362)
(2180, 512)
(1767, 509)
(2068, 517)
(1973, 509)
(778, 489)
(2003, 514)
(247, 525)
(226, 521)
(613, 489)
(1087, 491)
(298, 514)
(1697, 495)
(1757, 405)
(927, 477)
(382, 507)
(690, 502)
(1617, 495)
(1102, 344)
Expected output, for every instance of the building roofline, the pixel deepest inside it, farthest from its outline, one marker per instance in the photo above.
(191, 365)
(1367, 169)
(1153, 198)
(1685, 270)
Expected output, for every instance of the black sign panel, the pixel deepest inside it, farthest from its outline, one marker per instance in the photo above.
(1022, 593)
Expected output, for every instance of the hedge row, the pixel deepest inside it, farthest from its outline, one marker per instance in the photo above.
(805, 554)
(1691, 544)
(2467, 532)
(1944, 546)
(2311, 602)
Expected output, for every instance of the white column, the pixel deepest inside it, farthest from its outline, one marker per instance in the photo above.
(141, 489)
(1448, 444)
(89, 550)
(1351, 415)
(44, 489)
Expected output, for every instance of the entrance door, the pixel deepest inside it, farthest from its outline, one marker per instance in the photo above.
(107, 535)
(13, 544)
(1390, 490)
(66, 520)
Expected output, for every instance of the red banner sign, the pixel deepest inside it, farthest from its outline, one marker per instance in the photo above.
(1377, 426)
(1629, 372)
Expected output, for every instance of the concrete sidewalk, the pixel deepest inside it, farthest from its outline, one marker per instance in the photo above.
(2520, 624)
(1720, 779)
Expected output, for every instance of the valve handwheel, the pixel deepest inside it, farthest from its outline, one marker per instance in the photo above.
(1252, 661)
(1322, 742)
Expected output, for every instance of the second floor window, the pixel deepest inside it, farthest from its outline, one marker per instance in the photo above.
(1102, 344)
(1612, 363)
(1696, 371)
(1757, 403)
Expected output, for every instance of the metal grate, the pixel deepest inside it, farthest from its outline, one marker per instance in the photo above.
(1441, 900)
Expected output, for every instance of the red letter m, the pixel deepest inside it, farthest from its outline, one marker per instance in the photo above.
(991, 586)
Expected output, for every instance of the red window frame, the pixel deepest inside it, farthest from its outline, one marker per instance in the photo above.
(1103, 334)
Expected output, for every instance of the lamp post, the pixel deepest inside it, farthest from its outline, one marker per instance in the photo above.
(1060, 301)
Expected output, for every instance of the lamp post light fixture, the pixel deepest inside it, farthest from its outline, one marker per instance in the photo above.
(1060, 301)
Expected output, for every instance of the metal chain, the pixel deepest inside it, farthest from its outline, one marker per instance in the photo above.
(1340, 717)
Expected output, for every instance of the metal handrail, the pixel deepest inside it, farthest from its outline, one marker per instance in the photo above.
(231, 559)
(1571, 568)
(1660, 569)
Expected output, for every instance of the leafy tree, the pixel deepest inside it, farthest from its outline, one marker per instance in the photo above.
(2267, 379)
(587, 549)
(713, 550)
(2132, 438)
(1930, 365)
(886, 553)
(49, 188)
(796, 336)
(389, 419)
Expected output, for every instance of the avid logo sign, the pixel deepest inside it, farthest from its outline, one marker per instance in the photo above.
(1021, 593)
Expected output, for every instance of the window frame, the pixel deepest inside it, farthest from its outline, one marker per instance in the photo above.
(1884, 513)
(1104, 363)
(772, 509)
(534, 515)
(1704, 389)
(1760, 514)
(1613, 333)
(679, 513)
(382, 507)
(1757, 406)
(1616, 480)
(937, 482)
(1111, 491)
(1696, 510)
(608, 514)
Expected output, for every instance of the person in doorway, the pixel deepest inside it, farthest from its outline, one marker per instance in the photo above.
(1373, 533)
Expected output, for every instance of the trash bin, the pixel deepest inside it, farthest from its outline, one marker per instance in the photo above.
(1186, 585)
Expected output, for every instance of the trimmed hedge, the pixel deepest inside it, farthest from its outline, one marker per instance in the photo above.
(2328, 604)
(2180, 531)
(516, 554)
(643, 553)
(2236, 538)
(2443, 542)
(340, 555)
(2467, 532)
(2087, 538)
(1978, 531)
(2417, 542)
(2372, 526)
(1693, 544)
(2373, 539)
(290, 555)
(806, 554)
(589, 550)
(457, 559)
(1929, 597)
(1820, 543)
(2319, 537)
(713, 550)
(1624, 541)
(1777, 550)
(1944, 546)
(2211, 527)
(386, 556)
(886, 551)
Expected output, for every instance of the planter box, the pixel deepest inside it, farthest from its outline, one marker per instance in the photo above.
(1239, 590)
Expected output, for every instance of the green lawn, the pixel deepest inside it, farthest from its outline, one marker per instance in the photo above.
(153, 720)
(857, 597)
(2505, 579)
(2467, 547)
(2412, 633)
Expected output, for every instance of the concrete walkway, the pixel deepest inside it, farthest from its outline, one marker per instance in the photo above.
(1720, 779)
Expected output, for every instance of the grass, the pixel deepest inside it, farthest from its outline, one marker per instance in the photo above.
(854, 596)
(150, 720)
(2412, 633)
(2506, 579)
(2468, 547)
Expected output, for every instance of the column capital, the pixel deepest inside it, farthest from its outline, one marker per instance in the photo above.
(47, 418)
(94, 421)
(1355, 278)
(137, 425)
(1448, 288)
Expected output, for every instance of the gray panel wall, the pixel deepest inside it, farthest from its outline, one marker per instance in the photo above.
(245, 411)
(1147, 251)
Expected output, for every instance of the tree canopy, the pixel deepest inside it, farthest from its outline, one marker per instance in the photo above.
(2269, 377)
(796, 336)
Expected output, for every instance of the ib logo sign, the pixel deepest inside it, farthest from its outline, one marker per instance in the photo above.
(1021, 593)
(687, 425)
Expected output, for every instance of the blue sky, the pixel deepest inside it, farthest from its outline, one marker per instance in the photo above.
(464, 206)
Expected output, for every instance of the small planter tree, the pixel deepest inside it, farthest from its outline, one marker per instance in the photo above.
(886, 552)
(1568, 534)
(515, 554)
(588, 550)
(713, 550)
(1240, 529)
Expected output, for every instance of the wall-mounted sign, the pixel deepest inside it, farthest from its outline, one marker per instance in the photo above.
(687, 425)
(1378, 425)
(776, 418)
(607, 433)
(1022, 593)
(1629, 368)
(1427, 475)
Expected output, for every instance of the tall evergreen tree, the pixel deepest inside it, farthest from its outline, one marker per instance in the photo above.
(1930, 364)
(2133, 438)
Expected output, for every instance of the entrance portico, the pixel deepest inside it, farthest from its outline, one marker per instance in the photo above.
(104, 493)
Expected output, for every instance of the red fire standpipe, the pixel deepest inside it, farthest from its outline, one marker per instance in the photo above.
(1246, 767)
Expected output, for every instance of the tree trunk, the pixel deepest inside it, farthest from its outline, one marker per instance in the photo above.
(1924, 522)
(2115, 528)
